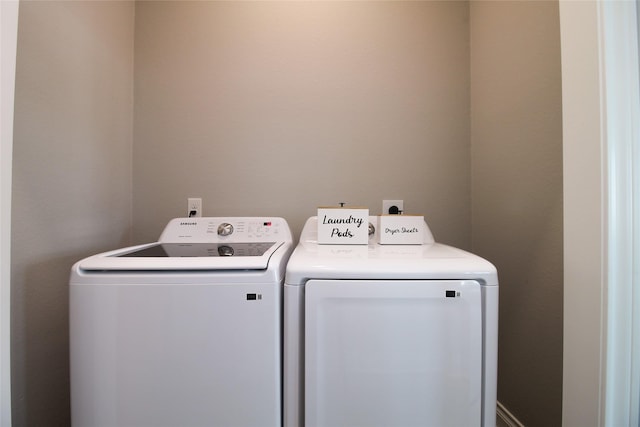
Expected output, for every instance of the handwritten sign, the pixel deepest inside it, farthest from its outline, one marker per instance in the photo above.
(401, 230)
(343, 226)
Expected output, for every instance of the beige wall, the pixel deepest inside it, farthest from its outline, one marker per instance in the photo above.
(275, 108)
(71, 180)
(585, 227)
(516, 148)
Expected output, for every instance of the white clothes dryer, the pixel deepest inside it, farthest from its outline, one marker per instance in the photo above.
(389, 335)
(186, 331)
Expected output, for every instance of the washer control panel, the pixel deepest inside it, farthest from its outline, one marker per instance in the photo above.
(225, 229)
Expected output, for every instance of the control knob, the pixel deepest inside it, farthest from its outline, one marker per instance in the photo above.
(225, 251)
(225, 229)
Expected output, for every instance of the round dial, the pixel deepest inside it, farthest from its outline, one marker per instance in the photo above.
(225, 229)
(225, 251)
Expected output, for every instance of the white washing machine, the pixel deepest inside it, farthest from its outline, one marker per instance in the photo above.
(186, 331)
(389, 336)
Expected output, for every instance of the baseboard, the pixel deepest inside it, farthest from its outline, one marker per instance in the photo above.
(506, 416)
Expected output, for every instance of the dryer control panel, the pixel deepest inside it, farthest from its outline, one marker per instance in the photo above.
(226, 229)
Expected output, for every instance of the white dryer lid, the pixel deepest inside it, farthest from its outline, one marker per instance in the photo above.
(311, 260)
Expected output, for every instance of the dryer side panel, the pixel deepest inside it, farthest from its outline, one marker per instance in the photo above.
(393, 353)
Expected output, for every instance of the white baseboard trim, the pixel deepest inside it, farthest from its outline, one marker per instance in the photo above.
(506, 416)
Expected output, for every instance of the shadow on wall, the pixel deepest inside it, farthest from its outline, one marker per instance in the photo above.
(40, 342)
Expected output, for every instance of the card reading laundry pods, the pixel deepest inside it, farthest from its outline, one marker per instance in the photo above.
(343, 226)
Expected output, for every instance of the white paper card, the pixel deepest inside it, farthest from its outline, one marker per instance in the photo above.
(343, 226)
(401, 230)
